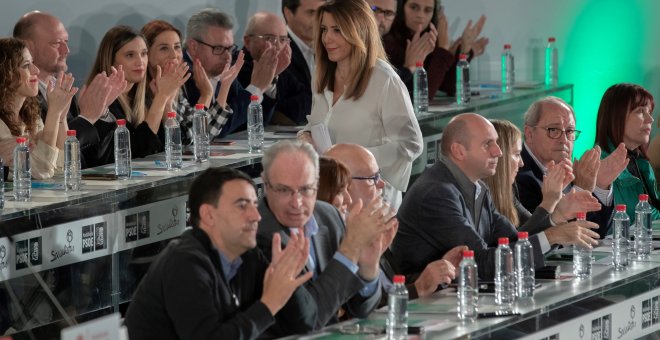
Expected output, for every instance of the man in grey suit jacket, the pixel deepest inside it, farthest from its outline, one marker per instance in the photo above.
(344, 259)
(449, 205)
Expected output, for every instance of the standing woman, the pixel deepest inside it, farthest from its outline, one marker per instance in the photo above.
(122, 46)
(625, 116)
(358, 96)
(20, 112)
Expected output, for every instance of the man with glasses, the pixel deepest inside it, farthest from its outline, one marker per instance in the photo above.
(344, 259)
(210, 40)
(384, 11)
(549, 137)
(266, 40)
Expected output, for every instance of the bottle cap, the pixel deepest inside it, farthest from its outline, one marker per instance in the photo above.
(199, 106)
(121, 122)
(551, 39)
(620, 207)
(171, 114)
(71, 133)
(507, 46)
(468, 253)
(503, 240)
(21, 140)
(399, 279)
(254, 97)
(523, 235)
(419, 64)
(462, 56)
(643, 197)
(581, 215)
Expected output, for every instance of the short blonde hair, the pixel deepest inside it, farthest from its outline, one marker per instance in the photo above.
(358, 26)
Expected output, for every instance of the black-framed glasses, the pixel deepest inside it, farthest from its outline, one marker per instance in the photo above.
(371, 180)
(219, 49)
(284, 191)
(271, 38)
(555, 133)
(385, 12)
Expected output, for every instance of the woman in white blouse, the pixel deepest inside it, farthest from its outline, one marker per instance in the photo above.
(358, 96)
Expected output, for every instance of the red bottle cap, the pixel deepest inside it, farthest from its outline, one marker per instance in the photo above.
(399, 279)
(121, 122)
(199, 106)
(462, 56)
(468, 253)
(620, 207)
(581, 215)
(171, 115)
(502, 240)
(419, 64)
(254, 97)
(71, 133)
(643, 197)
(21, 140)
(551, 39)
(507, 46)
(523, 235)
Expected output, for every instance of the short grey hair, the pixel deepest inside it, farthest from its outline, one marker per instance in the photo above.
(533, 113)
(289, 146)
(199, 22)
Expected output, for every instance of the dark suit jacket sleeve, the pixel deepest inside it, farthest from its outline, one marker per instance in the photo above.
(294, 98)
(203, 320)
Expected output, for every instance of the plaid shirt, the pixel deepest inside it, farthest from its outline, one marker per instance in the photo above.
(217, 118)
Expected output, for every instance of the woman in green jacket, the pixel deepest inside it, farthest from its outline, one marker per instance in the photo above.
(625, 116)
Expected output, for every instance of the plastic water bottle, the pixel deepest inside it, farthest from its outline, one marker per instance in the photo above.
(551, 63)
(255, 125)
(507, 69)
(524, 256)
(468, 287)
(582, 260)
(619, 238)
(201, 142)
(71, 162)
(173, 148)
(22, 173)
(420, 90)
(643, 228)
(504, 280)
(462, 80)
(397, 304)
(2, 183)
(122, 150)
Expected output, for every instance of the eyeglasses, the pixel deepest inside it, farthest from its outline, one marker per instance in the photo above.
(385, 12)
(285, 192)
(282, 39)
(219, 49)
(371, 180)
(555, 133)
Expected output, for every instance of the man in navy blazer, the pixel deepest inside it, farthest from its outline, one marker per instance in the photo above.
(210, 40)
(449, 206)
(549, 137)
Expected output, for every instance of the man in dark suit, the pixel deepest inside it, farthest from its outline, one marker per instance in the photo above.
(210, 40)
(264, 32)
(47, 39)
(449, 205)
(213, 283)
(343, 259)
(367, 186)
(549, 137)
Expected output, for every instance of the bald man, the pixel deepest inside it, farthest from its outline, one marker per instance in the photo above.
(449, 206)
(266, 41)
(366, 185)
(48, 42)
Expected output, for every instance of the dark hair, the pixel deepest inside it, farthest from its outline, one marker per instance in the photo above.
(11, 57)
(333, 176)
(207, 188)
(399, 28)
(292, 5)
(615, 105)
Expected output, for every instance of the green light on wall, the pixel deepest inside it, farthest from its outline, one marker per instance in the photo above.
(604, 47)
